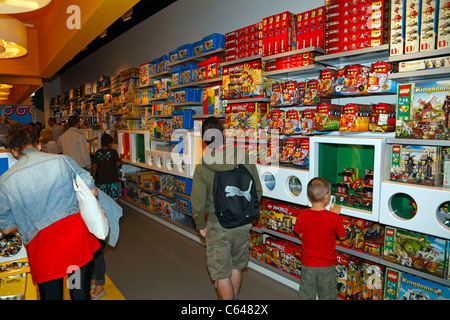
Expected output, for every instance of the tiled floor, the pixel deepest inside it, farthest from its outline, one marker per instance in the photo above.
(153, 262)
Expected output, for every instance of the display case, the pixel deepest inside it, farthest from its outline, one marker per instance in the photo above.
(417, 207)
(287, 184)
(354, 168)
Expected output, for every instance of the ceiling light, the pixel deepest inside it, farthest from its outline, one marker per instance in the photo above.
(13, 37)
(127, 15)
(3, 94)
(4, 98)
(104, 33)
(5, 86)
(21, 6)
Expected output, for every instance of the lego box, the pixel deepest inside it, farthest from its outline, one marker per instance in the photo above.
(423, 110)
(404, 286)
(415, 250)
(416, 164)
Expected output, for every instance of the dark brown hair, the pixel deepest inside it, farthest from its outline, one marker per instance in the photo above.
(20, 136)
(211, 123)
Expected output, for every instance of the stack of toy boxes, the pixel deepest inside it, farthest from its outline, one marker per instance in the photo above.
(423, 110)
(443, 36)
(412, 26)
(257, 246)
(146, 200)
(419, 25)
(352, 25)
(289, 62)
(284, 255)
(417, 164)
(243, 120)
(342, 274)
(243, 43)
(404, 286)
(282, 216)
(212, 99)
(278, 33)
(414, 250)
(145, 72)
(131, 191)
(369, 237)
(310, 27)
(397, 37)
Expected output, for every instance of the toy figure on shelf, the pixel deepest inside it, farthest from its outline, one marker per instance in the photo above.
(354, 191)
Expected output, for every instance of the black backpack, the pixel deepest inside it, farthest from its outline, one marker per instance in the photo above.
(235, 199)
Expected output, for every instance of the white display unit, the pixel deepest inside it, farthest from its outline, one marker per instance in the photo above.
(428, 199)
(377, 144)
(276, 183)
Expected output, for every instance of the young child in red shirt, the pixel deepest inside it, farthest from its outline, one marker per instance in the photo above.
(317, 228)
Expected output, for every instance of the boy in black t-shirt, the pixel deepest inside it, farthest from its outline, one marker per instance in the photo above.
(105, 165)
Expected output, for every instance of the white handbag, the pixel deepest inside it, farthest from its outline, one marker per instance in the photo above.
(90, 209)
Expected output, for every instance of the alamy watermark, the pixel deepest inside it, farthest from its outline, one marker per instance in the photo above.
(74, 20)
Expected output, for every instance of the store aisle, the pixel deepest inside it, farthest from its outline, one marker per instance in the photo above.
(153, 262)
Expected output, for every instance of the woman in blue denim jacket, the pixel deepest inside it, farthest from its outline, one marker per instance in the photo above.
(38, 201)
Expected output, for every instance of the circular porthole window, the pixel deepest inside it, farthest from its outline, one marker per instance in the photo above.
(150, 160)
(182, 166)
(169, 164)
(268, 181)
(443, 215)
(159, 162)
(403, 206)
(294, 186)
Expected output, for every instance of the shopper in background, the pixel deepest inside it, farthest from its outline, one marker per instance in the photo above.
(57, 130)
(47, 143)
(73, 143)
(37, 200)
(317, 228)
(227, 250)
(105, 166)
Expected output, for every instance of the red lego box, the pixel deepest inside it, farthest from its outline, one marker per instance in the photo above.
(271, 35)
(288, 31)
(265, 32)
(299, 31)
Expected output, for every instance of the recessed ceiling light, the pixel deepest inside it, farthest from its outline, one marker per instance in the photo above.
(21, 6)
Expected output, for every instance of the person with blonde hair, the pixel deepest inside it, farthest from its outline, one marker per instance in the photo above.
(47, 143)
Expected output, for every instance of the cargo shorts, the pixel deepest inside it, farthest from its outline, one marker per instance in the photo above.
(226, 249)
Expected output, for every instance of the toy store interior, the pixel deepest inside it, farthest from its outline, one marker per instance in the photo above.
(354, 91)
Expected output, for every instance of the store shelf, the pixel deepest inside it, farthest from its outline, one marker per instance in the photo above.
(306, 71)
(197, 57)
(182, 104)
(419, 142)
(237, 61)
(201, 83)
(362, 56)
(246, 100)
(294, 52)
(420, 55)
(421, 75)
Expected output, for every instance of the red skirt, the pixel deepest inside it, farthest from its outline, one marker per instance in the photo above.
(65, 243)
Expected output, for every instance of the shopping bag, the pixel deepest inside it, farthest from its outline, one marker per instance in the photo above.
(90, 209)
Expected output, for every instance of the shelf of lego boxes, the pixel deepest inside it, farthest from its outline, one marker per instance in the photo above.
(368, 243)
(416, 187)
(420, 39)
